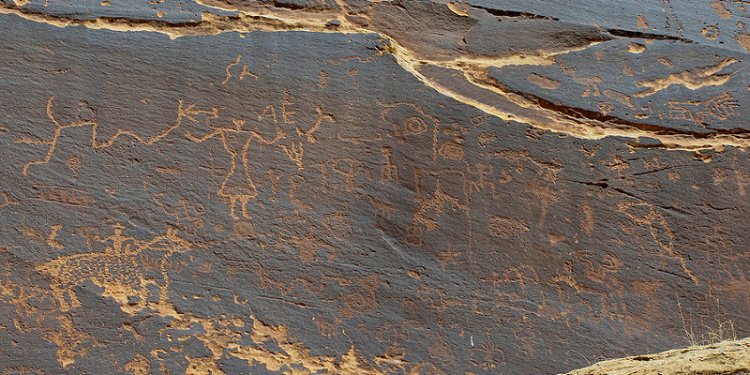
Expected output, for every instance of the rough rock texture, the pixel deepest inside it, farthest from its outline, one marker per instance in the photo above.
(369, 187)
(724, 358)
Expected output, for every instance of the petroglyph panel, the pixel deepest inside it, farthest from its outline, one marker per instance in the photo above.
(355, 187)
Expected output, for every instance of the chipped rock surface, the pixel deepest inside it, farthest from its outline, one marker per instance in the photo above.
(726, 357)
(369, 187)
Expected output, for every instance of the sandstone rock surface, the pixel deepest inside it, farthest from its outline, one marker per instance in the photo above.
(726, 357)
(369, 187)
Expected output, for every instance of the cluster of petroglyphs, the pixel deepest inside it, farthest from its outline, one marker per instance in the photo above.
(429, 232)
(238, 185)
(438, 190)
(722, 106)
(248, 18)
(122, 271)
(237, 139)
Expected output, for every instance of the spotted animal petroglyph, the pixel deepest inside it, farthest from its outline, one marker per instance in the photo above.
(119, 269)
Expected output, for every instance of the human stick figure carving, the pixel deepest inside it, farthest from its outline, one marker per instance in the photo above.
(238, 187)
(184, 111)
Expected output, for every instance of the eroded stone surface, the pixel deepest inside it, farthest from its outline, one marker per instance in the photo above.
(726, 357)
(368, 187)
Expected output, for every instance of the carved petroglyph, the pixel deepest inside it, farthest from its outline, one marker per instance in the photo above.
(7, 200)
(437, 192)
(238, 186)
(279, 19)
(643, 213)
(296, 153)
(722, 107)
(309, 133)
(351, 171)
(506, 228)
(63, 195)
(52, 238)
(389, 170)
(30, 303)
(543, 82)
(407, 119)
(119, 269)
(183, 112)
(430, 174)
(244, 72)
(188, 216)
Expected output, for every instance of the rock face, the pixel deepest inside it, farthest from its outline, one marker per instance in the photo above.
(369, 187)
(726, 357)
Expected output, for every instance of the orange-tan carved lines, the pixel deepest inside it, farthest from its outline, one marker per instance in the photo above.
(722, 107)
(691, 79)
(63, 195)
(411, 62)
(721, 10)
(434, 198)
(274, 177)
(229, 73)
(52, 238)
(408, 119)
(31, 305)
(389, 170)
(309, 245)
(507, 227)
(243, 73)
(643, 213)
(382, 209)
(68, 340)
(546, 198)
(187, 215)
(323, 79)
(52, 143)
(448, 142)
(120, 270)
(286, 112)
(448, 256)
(295, 182)
(310, 132)
(351, 170)
(549, 169)
(591, 85)
(182, 112)
(622, 98)
(296, 152)
(7, 200)
(239, 188)
(587, 221)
